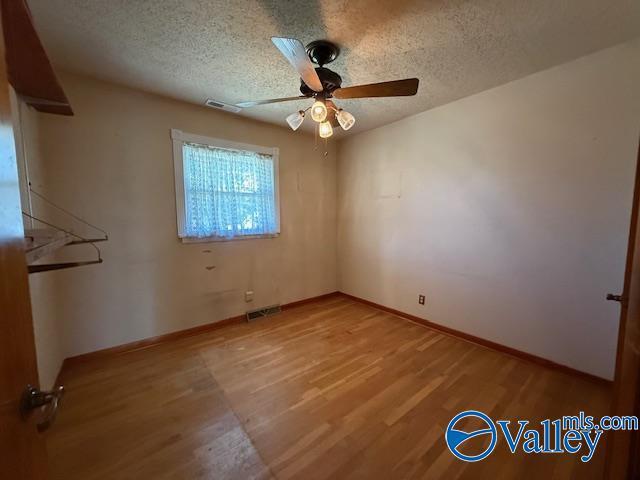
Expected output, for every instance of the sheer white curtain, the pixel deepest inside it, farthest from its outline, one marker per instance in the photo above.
(228, 193)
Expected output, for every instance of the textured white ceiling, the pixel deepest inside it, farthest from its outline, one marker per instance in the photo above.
(194, 49)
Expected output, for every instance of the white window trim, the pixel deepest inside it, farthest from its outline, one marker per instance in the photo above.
(178, 138)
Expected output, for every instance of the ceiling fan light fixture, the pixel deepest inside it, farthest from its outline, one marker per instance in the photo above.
(325, 130)
(345, 119)
(295, 120)
(319, 111)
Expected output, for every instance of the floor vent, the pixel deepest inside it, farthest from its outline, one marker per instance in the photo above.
(263, 312)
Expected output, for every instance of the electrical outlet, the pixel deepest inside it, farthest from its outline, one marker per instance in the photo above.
(248, 296)
(421, 299)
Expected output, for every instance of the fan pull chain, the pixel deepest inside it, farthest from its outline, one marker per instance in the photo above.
(315, 141)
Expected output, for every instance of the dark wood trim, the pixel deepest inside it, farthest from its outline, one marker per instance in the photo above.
(29, 69)
(483, 342)
(168, 337)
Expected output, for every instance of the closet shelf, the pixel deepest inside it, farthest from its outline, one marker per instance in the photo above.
(28, 67)
(39, 242)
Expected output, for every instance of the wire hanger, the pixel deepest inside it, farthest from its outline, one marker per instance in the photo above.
(80, 239)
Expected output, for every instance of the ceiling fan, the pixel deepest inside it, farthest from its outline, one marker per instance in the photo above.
(323, 84)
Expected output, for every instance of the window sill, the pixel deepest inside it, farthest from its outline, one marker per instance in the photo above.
(227, 239)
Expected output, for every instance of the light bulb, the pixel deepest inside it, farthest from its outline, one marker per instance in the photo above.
(295, 119)
(325, 130)
(345, 119)
(319, 111)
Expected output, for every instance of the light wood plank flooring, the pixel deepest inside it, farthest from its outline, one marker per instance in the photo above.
(330, 390)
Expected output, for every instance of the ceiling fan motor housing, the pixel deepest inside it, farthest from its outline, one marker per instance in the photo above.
(330, 81)
(322, 52)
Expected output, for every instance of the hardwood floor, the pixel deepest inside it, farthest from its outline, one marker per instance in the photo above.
(333, 389)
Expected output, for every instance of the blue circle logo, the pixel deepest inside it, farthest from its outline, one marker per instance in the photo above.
(455, 438)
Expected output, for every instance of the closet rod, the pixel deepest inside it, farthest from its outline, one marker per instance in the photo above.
(59, 266)
(87, 240)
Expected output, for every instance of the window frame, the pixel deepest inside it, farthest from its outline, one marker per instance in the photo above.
(179, 138)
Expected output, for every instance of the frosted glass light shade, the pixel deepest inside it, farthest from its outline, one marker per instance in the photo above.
(325, 130)
(345, 119)
(319, 111)
(295, 120)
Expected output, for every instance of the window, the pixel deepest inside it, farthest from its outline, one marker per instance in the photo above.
(224, 190)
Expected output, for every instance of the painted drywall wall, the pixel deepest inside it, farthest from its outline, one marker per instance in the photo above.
(112, 165)
(508, 209)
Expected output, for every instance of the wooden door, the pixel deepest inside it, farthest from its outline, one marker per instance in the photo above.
(22, 449)
(622, 452)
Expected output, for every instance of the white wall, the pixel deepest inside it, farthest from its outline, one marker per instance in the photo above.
(50, 350)
(112, 164)
(508, 209)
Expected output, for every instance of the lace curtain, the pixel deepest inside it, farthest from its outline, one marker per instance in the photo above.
(228, 193)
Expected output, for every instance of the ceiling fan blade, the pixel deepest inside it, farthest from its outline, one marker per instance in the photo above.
(395, 88)
(294, 52)
(266, 102)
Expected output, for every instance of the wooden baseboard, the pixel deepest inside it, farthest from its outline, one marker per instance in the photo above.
(483, 342)
(300, 303)
(168, 337)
